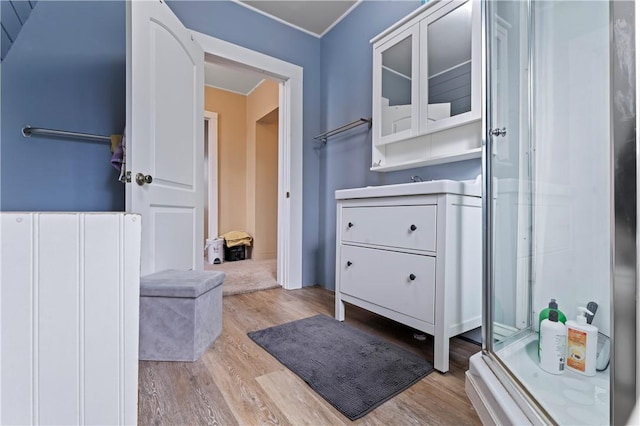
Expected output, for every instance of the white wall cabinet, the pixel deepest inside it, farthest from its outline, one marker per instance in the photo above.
(413, 253)
(426, 87)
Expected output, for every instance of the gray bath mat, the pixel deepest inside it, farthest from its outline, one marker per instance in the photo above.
(354, 371)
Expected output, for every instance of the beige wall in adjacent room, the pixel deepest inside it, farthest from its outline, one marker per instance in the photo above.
(232, 157)
(266, 187)
(248, 164)
(262, 223)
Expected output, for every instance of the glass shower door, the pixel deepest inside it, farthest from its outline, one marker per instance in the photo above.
(547, 171)
(509, 171)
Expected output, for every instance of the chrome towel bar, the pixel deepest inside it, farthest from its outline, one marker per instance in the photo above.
(324, 136)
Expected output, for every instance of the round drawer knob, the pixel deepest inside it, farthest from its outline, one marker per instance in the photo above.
(412, 277)
(350, 225)
(349, 263)
(413, 227)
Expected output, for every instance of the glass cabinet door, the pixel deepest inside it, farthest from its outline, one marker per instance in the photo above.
(396, 87)
(450, 71)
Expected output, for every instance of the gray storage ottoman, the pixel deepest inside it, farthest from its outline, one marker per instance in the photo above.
(180, 314)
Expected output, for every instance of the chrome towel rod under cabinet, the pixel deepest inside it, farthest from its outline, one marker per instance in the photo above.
(324, 136)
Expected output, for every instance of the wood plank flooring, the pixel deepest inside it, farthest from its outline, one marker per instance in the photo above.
(237, 383)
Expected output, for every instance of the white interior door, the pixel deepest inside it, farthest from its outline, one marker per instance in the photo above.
(165, 153)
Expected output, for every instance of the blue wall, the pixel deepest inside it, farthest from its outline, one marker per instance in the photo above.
(13, 15)
(346, 95)
(65, 70)
(221, 19)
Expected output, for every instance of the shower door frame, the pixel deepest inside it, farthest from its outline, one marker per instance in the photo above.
(527, 403)
(624, 272)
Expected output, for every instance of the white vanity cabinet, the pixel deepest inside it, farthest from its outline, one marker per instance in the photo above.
(412, 253)
(426, 87)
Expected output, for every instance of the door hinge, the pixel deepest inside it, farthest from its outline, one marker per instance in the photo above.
(126, 178)
(288, 194)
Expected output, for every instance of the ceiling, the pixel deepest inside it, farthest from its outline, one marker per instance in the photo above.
(312, 16)
(315, 17)
(237, 80)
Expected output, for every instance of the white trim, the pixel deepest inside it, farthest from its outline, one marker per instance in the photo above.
(235, 91)
(289, 147)
(409, 20)
(275, 18)
(226, 89)
(344, 15)
(283, 176)
(211, 118)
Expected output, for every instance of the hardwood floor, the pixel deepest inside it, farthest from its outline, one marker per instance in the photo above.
(237, 383)
(245, 276)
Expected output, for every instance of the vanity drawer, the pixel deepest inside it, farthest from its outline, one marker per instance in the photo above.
(384, 278)
(412, 227)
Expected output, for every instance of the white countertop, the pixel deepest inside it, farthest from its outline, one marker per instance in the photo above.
(467, 187)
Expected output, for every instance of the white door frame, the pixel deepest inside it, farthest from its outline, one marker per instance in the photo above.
(211, 120)
(289, 149)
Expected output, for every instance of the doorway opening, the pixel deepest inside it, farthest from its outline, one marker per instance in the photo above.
(289, 228)
(241, 173)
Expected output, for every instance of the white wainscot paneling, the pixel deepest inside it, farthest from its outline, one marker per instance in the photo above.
(69, 318)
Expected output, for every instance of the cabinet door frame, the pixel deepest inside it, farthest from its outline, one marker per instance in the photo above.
(425, 127)
(378, 138)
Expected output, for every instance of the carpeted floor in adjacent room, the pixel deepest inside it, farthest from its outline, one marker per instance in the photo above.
(245, 276)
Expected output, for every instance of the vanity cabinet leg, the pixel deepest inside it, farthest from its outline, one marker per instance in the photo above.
(339, 308)
(441, 352)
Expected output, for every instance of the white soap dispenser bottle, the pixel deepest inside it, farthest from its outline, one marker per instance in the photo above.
(553, 344)
(582, 344)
